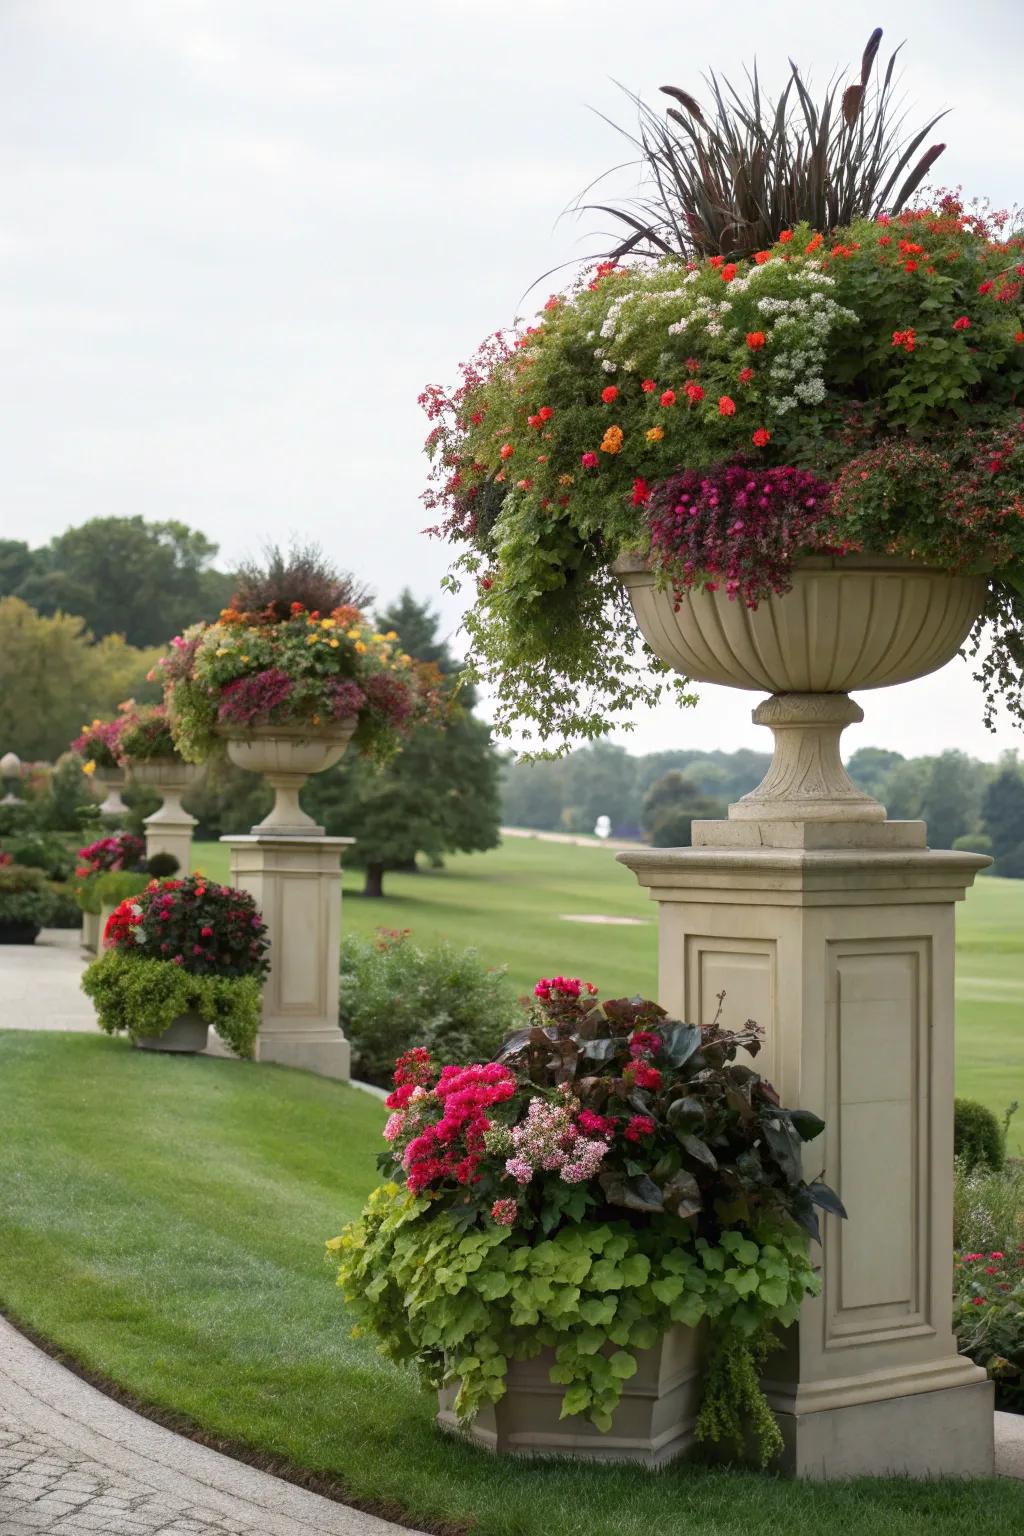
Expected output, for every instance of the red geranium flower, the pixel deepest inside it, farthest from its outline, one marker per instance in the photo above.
(669, 397)
(761, 437)
(609, 394)
(726, 406)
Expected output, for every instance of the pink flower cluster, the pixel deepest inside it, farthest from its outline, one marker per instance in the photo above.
(549, 1141)
(564, 986)
(122, 850)
(450, 1147)
(252, 700)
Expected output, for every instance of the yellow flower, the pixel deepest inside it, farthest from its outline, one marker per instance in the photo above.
(655, 434)
(353, 634)
(566, 479)
(316, 720)
(89, 767)
(335, 644)
(328, 623)
(392, 634)
(362, 647)
(243, 658)
(312, 639)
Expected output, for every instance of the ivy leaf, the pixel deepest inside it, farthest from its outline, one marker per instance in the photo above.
(635, 1269)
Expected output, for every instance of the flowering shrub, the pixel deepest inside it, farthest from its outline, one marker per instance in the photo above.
(121, 850)
(864, 364)
(305, 669)
(610, 1174)
(988, 1318)
(207, 929)
(182, 946)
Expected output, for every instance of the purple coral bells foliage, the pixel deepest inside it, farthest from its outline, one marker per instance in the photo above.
(252, 700)
(737, 527)
(346, 697)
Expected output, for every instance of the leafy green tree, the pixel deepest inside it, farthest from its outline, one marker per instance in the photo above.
(1003, 810)
(438, 795)
(121, 575)
(53, 678)
(671, 805)
(950, 802)
(870, 768)
(600, 781)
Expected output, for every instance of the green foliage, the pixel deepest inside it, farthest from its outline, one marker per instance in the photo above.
(144, 997)
(47, 851)
(25, 896)
(988, 1207)
(671, 805)
(462, 1303)
(161, 866)
(977, 1135)
(66, 911)
(87, 894)
(121, 576)
(395, 995)
(146, 734)
(116, 885)
(53, 676)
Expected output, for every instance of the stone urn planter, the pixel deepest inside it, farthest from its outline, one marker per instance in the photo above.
(859, 622)
(653, 1423)
(286, 755)
(170, 778)
(188, 1035)
(169, 828)
(112, 781)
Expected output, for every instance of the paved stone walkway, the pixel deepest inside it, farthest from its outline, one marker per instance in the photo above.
(75, 1463)
(39, 984)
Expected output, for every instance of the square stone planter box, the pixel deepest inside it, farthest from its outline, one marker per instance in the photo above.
(652, 1425)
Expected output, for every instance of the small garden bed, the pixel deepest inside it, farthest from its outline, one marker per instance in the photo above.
(176, 1249)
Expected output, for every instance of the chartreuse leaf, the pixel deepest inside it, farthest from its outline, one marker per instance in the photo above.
(635, 1269)
(623, 1365)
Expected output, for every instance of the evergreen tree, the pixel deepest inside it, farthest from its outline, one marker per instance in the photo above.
(1003, 809)
(438, 795)
(670, 807)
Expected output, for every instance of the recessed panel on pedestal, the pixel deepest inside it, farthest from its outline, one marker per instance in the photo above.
(299, 961)
(744, 969)
(877, 1057)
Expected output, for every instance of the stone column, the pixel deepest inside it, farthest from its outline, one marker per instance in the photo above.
(296, 883)
(837, 935)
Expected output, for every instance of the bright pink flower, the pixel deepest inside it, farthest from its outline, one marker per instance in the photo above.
(668, 397)
(963, 324)
(638, 1127)
(589, 460)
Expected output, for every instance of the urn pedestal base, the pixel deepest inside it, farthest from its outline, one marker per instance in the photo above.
(838, 938)
(296, 883)
(652, 1425)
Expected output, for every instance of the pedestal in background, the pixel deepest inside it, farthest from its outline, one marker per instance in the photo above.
(838, 938)
(169, 830)
(296, 883)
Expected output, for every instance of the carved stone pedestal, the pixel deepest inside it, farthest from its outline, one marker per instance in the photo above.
(837, 936)
(296, 883)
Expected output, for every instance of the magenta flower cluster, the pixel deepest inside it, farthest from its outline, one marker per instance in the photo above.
(252, 700)
(737, 527)
(346, 697)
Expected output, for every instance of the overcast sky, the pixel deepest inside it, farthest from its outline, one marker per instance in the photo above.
(239, 236)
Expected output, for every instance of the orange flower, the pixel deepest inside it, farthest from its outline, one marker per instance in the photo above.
(655, 434)
(785, 237)
(762, 256)
(612, 440)
(506, 451)
(755, 339)
(812, 244)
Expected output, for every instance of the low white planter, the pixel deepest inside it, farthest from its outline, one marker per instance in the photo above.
(286, 756)
(653, 1423)
(862, 621)
(186, 1036)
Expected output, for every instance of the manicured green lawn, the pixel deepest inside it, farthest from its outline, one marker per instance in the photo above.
(511, 905)
(163, 1222)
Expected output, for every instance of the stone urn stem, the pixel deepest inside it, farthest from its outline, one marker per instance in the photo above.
(169, 829)
(806, 780)
(112, 781)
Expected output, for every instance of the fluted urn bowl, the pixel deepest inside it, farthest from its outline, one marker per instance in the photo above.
(166, 775)
(861, 621)
(286, 755)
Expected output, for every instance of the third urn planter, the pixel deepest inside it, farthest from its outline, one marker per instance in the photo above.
(187, 1035)
(169, 828)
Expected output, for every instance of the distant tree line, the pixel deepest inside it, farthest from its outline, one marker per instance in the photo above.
(967, 804)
